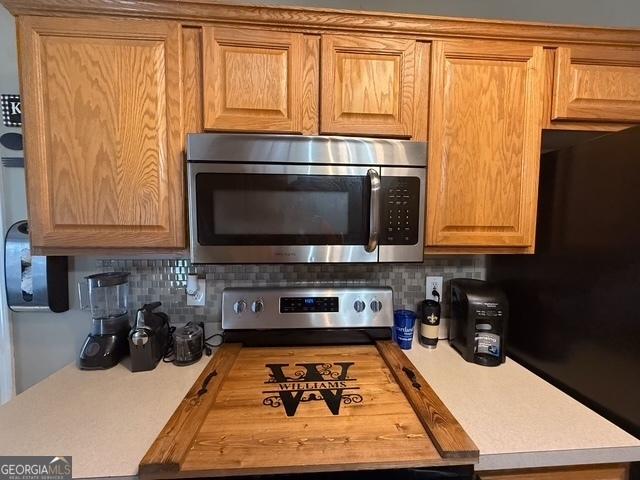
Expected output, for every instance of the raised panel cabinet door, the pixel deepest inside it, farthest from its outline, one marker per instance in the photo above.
(101, 105)
(580, 472)
(367, 85)
(597, 83)
(484, 143)
(256, 80)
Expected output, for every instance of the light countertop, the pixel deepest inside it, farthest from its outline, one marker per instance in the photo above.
(107, 419)
(517, 419)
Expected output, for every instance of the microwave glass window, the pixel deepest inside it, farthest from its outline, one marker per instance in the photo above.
(282, 209)
(285, 212)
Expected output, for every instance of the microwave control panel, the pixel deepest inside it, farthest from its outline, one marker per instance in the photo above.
(400, 210)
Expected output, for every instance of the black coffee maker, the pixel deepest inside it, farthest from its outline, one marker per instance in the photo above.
(149, 338)
(478, 324)
(105, 294)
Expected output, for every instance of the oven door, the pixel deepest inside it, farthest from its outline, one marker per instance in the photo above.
(277, 213)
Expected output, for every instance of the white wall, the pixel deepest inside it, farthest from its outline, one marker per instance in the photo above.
(12, 179)
(44, 343)
(11, 203)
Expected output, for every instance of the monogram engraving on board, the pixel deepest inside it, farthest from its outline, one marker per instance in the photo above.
(311, 382)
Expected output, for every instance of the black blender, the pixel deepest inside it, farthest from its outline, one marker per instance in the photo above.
(108, 341)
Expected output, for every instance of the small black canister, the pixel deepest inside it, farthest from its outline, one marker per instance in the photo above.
(429, 323)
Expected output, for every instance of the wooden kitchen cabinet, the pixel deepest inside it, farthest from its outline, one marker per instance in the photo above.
(374, 86)
(108, 97)
(101, 106)
(592, 83)
(579, 472)
(484, 144)
(259, 80)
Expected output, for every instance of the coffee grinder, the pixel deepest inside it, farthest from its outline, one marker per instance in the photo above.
(107, 299)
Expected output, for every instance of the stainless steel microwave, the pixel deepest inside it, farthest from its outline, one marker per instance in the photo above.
(301, 199)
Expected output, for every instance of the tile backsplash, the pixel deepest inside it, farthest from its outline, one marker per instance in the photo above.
(165, 280)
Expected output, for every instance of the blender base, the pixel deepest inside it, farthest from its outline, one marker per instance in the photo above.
(100, 352)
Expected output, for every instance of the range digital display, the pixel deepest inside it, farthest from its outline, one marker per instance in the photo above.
(308, 304)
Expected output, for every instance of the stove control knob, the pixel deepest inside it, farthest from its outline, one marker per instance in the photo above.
(376, 305)
(359, 306)
(239, 306)
(257, 306)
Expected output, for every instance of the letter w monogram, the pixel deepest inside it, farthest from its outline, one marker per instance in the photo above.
(313, 374)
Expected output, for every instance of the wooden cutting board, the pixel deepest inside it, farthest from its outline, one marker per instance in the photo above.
(307, 409)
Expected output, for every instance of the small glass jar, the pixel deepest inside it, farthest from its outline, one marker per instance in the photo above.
(188, 343)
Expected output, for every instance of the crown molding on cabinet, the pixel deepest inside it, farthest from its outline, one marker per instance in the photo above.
(318, 20)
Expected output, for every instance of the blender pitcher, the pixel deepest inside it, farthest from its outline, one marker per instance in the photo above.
(105, 295)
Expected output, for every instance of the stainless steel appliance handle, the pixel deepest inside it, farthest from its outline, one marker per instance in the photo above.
(374, 210)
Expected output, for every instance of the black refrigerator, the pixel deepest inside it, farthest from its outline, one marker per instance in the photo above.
(575, 303)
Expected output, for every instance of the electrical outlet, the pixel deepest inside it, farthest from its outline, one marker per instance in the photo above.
(433, 283)
(199, 297)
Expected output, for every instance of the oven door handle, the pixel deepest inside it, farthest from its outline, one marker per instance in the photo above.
(374, 210)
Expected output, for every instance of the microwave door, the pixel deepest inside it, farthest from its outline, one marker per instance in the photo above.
(277, 213)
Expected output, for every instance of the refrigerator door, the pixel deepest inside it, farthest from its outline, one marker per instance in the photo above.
(575, 304)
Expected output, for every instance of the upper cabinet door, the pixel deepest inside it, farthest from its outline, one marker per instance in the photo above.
(259, 80)
(368, 86)
(101, 105)
(597, 83)
(484, 143)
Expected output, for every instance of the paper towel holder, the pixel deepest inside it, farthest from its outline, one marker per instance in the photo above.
(33, 283)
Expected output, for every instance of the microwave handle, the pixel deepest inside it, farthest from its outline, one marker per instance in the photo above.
(374, 210)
